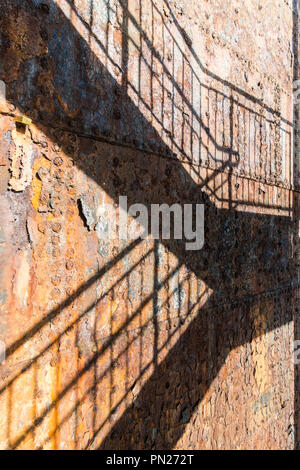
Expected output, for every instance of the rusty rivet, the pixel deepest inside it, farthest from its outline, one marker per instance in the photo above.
(56, 227)
(54, 362)
(58, 161)
(55, 292)
(58, 174)
(42, 173)
(70, 252)
(70, 212)
(57, 187)
(69, 264)
(55, 252)
(115, 251)
(56, 280)
(43, 198)
(55, 240)
(69, 291)
(56, 212)
(41, 228)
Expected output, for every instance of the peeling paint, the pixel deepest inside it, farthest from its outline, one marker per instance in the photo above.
(21, 162)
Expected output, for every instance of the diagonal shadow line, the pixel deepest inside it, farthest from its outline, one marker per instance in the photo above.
(66, 303)
(32, 360)
(184, 36)
(233, 87)
(228, 163)
(126, 434)
(157, 55)
(203, 126)
(168, 73)
(115, 361)
(92, 361)
(205, 309)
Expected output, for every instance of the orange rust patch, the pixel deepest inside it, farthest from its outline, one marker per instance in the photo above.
(36, 182)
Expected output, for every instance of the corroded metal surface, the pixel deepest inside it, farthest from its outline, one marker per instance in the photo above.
(139, 343)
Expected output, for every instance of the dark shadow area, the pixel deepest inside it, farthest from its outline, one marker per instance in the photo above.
(247, 259)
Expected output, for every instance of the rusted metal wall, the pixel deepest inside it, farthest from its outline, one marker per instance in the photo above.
(140, 344)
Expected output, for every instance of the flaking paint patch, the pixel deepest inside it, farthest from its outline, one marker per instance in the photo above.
(21, 162)
(87, 204)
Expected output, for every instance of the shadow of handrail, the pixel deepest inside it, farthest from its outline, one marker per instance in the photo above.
(217, 267)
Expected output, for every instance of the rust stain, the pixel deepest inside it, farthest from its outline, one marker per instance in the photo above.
(71, 114)
(139, 344)
(37, 182)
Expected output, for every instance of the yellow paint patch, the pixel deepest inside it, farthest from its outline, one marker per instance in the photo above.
(23, 120)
